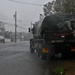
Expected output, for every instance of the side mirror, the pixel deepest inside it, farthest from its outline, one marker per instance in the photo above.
(31, 30)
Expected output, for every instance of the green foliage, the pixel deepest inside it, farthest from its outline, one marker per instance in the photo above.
(48, 8)
(68, 6)
(65, 6)
(60, 6)
(59, 71)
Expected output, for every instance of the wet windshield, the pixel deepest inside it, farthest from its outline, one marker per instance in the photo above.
(37, 37)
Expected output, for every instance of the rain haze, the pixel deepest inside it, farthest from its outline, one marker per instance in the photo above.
(26, 13)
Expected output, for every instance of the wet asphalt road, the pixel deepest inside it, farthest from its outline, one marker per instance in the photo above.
(16, 59)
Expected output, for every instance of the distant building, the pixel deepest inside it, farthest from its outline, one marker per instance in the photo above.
(20, 36)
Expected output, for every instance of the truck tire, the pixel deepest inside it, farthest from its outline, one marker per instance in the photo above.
(43, 56)
(31, 46)
(31, 49)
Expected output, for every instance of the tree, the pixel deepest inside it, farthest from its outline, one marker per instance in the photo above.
(65, 6)
(59, 6)
(48, 8)
(69, 6)
(8, 34)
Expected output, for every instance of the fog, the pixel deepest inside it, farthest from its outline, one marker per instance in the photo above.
(26, 13)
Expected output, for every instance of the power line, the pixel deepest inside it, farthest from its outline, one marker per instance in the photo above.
(14, 25)
(25, 3)
(21, 27)
(20, 20)
(9, 24)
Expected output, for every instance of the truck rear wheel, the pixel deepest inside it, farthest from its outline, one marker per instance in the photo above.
(43, 56)
(31, 45)
(31, 49)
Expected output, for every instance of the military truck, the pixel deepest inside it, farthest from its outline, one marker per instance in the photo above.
(54, 36)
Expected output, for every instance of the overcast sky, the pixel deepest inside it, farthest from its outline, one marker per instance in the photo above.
(25, 13)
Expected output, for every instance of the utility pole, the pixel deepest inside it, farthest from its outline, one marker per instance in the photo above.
(15, 16)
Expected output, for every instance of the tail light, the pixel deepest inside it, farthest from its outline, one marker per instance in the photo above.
(61, 34)
(45, 50)
(73, 49)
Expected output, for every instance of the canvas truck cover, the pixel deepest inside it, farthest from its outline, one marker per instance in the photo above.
(57, 23)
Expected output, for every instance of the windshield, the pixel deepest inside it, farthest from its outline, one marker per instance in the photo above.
(37, 37)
